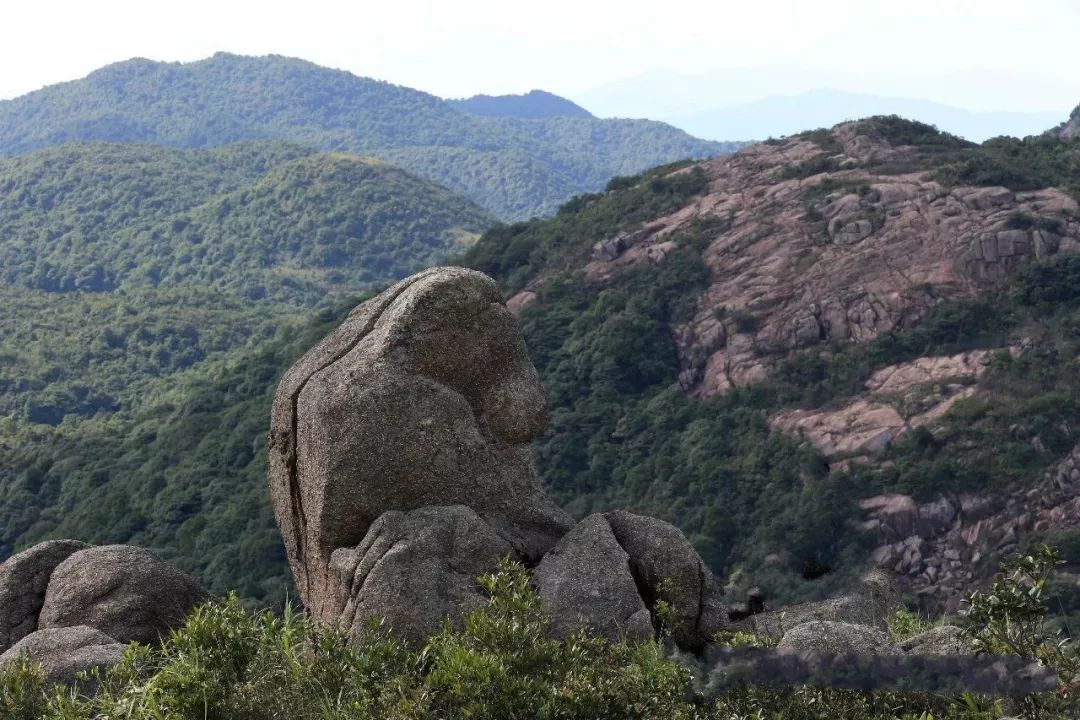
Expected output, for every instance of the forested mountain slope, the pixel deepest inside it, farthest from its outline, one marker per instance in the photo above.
(132, 278)
(516, 168)
(679, 321)
(695, 326)
(120, 264)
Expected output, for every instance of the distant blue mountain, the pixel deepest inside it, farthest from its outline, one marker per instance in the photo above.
(781, 115)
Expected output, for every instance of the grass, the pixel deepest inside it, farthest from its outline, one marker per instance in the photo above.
(227, 663)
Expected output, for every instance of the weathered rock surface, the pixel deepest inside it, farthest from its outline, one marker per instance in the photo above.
(65, 652)
(843, 255)
(423, 396)
(860, 428)
(414, 569)
(940, 640)
(899, 398)
(126, 592)
(586, 583)
(23, 580)
(1069, 129)
(661, 556)
(838, 637)
(945, 548)
(869, 604)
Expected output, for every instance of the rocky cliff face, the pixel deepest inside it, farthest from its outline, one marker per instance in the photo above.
(945, 548)
(838, 238)
(815, 245)
(898, 399)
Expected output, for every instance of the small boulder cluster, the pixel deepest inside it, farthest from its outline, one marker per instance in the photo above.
(72, 607)
(401, 471)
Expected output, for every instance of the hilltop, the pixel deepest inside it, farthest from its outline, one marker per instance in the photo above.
(696, 326)
(1071, 127)
(533, 104)
(516, 168)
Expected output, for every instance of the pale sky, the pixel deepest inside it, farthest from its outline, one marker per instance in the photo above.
(461, 47)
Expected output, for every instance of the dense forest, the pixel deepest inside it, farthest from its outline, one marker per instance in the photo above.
(126, 264)
(516, 168)
(135, 279)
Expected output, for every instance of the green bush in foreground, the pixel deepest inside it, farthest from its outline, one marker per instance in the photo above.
(229, 664)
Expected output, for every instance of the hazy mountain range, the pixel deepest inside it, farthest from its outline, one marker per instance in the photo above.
(759, 103)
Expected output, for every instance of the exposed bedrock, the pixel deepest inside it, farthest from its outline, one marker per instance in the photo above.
(24, 578)
(416, 568)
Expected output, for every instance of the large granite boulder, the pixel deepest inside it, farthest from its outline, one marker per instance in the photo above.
(415, 569)
(23, 580)
(838, 637)
(65, 652)
(126, 592)
(666, 567)
(586, 584)
(423, 396)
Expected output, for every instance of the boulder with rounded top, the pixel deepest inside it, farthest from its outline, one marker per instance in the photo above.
(127, 592)
(424, 396)
(24, 578)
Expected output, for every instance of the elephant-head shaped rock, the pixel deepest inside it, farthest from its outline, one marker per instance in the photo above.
(423, 396)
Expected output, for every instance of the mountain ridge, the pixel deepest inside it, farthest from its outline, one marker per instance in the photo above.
(515, 168)
(533, 104)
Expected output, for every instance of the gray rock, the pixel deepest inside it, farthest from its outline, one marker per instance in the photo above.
(869, 604)
(65, 652)
(416, 569)
(898, 517)
(585, 583)
(838, 637)
(940, 640)
(23, 579)
(936, 517)
(424, 396)
(126, 592)
(660, 553)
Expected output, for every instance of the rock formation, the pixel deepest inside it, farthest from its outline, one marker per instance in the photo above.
(411, 566)
(423, 396)
(24, 578)
(401, 471)
(126, 592)
(838, 637)
(585, 583)
(869, 604)
(65, 652)
(72, 607)
(945, 548)
(833, 237)
(898, 399)
(666, 567)
(1070, 128)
